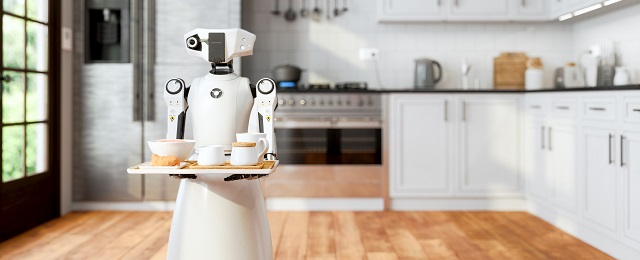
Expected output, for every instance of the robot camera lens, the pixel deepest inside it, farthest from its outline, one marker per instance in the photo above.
(192, 42)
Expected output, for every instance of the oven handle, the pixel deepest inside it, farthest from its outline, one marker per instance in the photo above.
(358, 122)
(328, 123)
(300, 122)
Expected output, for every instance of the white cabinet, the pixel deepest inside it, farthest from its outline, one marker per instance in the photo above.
(531, 8)
(489, 144)
(562, 164)
(461, 10)
(630, 164)
(480, 9)
(600, 179)
(556, 8)
(422, 137)
(411, 10)
(419, 145)
(537, 179)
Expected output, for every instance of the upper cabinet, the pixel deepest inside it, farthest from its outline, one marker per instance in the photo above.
(412, 10)
(476, 10)
(462, 9)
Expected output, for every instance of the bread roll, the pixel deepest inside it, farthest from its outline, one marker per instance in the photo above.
(157, 160)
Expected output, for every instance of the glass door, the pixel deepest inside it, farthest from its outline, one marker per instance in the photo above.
(29, 187)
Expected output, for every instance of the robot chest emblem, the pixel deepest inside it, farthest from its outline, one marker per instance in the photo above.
(216, 93)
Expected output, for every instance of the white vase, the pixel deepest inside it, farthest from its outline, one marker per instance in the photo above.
(621, 77)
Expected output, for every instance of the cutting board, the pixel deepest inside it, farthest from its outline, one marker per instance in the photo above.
(508, 71)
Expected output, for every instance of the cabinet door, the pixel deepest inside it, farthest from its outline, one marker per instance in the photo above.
(490, 145)
(631, 185)
(410, 10)
(537, 181)
(489, 9)
(530, 9)
(600, 187)
(419, 146)
(556, 8)
(561, 144)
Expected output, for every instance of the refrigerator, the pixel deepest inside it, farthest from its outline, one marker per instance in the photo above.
(124, 52)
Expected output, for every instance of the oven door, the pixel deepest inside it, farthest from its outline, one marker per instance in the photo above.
(329, 141)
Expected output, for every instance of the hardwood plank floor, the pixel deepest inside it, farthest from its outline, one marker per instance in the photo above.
(315, 235)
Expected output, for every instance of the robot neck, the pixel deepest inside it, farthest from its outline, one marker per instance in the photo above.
(221, 68)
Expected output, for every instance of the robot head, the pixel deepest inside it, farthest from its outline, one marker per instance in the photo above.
(219, 45)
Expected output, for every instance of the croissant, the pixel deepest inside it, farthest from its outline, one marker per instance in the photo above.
(157, 160)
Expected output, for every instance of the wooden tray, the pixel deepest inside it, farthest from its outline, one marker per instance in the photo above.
(227, 165)
(268, 167)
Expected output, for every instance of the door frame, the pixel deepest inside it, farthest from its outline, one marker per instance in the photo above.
(53, 121)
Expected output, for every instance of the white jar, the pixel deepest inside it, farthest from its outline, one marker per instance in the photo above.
(533, 79)
(621, 77)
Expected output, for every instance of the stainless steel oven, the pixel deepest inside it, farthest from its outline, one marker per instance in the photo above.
(329, 145)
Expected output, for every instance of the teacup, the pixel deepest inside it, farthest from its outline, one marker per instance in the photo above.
(246, 153)
(263, 146)
(211, 155)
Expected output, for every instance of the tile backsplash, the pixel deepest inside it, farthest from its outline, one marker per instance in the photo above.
(328, 50)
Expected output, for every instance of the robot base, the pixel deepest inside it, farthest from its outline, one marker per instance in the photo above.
(214, 219)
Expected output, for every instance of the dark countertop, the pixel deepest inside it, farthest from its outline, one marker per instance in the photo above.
(626, 87)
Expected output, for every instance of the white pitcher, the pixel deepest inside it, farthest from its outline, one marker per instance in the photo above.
(621, 77)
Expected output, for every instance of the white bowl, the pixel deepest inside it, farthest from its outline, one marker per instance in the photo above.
(180, 148)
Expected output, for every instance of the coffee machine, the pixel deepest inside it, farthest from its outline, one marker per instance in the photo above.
(221, 103)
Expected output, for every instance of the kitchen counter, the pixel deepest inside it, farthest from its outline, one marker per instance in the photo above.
(626, 87)
(411, 90)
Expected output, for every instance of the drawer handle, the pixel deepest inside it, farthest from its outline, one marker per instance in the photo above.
(535, 107)
(562, 107)
(636, 110)
(597, 108)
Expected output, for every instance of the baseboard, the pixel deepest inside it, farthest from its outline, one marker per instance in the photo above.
(325, 204)
(495, 204)
(124, 206)
(570, 224)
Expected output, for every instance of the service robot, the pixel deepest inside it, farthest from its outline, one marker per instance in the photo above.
(217, 218)
(221, 103)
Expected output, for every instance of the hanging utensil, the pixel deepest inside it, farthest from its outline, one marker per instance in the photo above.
(317, 13)
(344, 6)
(290, 15)
(336, 10)
(276, 8)
(304, 12)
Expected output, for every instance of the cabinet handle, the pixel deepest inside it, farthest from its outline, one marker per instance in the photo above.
(562, 107)
(549, 138)
(439, 2)
(534, 107)
(446, 109)
(610, 159)
(622, 150)
(542, 140)
(524, 3)
(464, 111)
(636, 110)
(455, 3)
(597, 108)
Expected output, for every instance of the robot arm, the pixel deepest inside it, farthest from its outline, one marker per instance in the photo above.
(175, 96)
(262, 113)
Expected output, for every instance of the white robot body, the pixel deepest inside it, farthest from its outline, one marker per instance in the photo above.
(220, 106)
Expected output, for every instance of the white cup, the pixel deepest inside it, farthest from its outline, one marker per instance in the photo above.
(244, 156)
(211, 155)
(259, 138)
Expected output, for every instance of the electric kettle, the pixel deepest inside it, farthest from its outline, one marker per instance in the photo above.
(425, 74)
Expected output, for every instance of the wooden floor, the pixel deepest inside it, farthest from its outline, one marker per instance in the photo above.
(315, 235)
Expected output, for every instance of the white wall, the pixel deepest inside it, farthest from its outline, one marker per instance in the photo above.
(328, 50)
(621, 27)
